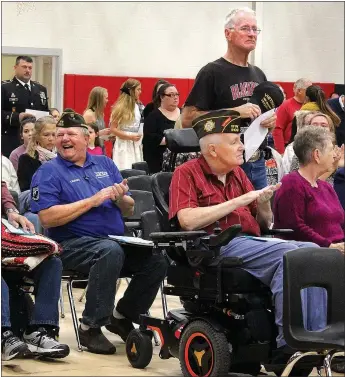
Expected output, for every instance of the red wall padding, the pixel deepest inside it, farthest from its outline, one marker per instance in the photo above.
(78, 87)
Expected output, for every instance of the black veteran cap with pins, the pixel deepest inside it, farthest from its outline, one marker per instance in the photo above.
(267, 96)
(216, 122)
(69, 118)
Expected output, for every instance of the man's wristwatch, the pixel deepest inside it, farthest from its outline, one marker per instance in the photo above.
(9, 210)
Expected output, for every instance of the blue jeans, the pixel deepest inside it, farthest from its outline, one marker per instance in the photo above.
(264, 260)
(47, 281)
(104, 260)
(256, 172)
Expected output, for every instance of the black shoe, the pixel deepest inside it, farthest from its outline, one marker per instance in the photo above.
(95, 341)
(338, 366)
(120, 327)
(280, 358)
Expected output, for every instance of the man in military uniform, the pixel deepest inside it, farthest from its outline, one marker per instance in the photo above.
(17, 95)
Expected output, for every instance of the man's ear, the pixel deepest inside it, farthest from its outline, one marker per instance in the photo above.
(212, 150)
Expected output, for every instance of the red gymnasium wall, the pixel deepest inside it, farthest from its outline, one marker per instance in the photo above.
(78, 87)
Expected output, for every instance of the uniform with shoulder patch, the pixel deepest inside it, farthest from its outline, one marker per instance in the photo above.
(15, 99)
(59, 182)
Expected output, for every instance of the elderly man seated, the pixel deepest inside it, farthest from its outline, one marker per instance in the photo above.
(214, 188)
(81, 200)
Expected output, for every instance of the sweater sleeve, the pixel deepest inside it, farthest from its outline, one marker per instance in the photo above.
(281, 123)
(7, 200)
(289, 210)
(153, 133)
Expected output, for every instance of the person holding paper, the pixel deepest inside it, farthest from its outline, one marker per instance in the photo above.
(81, 199)
(229, 81)
(162, 118)
(17, 96)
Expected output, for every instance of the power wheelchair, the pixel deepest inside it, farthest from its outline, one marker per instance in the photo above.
(226, 322)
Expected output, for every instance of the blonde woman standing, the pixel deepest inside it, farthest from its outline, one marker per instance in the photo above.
(94, 112)
(125, 123)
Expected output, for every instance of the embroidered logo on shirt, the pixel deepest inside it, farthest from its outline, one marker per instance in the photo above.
(74, 180)
(101, 174)
(35, 193)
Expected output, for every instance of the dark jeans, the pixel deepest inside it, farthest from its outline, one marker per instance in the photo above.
(256, 172)
(105, 261)
(47, 280)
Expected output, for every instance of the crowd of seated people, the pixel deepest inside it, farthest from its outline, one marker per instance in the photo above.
(60, 162)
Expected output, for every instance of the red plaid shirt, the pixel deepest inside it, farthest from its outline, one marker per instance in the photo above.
(193, 185)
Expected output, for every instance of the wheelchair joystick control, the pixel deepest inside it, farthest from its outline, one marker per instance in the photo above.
(217, 229)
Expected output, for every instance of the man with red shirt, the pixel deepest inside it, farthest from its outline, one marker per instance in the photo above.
(286, 112)
(214, 188)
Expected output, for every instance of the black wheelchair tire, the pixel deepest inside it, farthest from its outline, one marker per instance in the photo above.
(139, 349)
(217, 348)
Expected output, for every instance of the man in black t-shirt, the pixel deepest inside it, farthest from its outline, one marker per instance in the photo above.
(229, 81)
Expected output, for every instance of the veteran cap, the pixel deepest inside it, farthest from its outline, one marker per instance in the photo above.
(267, 96)
(216, 122)
(69, 118)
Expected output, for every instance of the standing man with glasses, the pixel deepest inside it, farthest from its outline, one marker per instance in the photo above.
(229, 81)
(17, 95)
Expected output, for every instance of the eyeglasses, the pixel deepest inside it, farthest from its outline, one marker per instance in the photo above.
(247, 30)
(172, 95)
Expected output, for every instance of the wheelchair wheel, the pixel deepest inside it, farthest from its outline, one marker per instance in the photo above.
(139, 349)
(203, 351)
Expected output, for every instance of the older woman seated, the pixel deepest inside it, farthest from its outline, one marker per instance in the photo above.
(305, 203)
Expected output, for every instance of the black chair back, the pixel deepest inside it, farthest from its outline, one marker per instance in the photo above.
(142, 165)
(314, 267)
(160, 190)
(143, 202)
(131, 173)
(140, 182)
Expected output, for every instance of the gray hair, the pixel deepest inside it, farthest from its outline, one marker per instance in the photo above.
(308, 139)
(230, 18)
(207, 140)
(302, 83)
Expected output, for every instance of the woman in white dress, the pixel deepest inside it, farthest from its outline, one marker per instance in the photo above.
(125, 122)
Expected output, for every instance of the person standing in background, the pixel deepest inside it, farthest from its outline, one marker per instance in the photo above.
(17, 95)
(337, 105)
(94, 146)
(125, 122)
(94, 112)
(229, 81)
(151, 106)
(286, 112)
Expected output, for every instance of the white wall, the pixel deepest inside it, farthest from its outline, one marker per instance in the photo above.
(303, 39)
(177, 39)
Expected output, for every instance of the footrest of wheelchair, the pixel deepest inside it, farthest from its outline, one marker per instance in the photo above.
(310, 361)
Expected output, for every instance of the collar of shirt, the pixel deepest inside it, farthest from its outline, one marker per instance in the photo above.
(68, 164)
(23, 83)
(341, 101)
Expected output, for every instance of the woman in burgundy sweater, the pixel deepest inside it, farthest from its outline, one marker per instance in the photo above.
(305, 203)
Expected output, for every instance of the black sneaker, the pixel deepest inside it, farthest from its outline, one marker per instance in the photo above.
(12, 347)
(120, 327)
(45, 345)
(338, 366)
(281, 356)
(95, 341)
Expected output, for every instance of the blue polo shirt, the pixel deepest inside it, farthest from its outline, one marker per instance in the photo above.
(59, 182)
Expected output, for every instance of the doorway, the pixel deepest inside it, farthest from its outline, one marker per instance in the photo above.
(47, 70)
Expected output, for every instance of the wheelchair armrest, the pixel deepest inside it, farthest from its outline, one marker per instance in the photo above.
(177, 236)
(272, 232)
(132, 224)
(225, 237)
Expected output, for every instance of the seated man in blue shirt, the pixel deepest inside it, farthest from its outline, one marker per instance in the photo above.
(81, 199)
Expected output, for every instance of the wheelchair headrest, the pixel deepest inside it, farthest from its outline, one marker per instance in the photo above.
(182, 141)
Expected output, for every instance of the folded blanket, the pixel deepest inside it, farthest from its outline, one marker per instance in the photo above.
(23, 263)
(14, 245)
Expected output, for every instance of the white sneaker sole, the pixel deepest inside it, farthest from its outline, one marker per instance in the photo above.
(51, 352)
